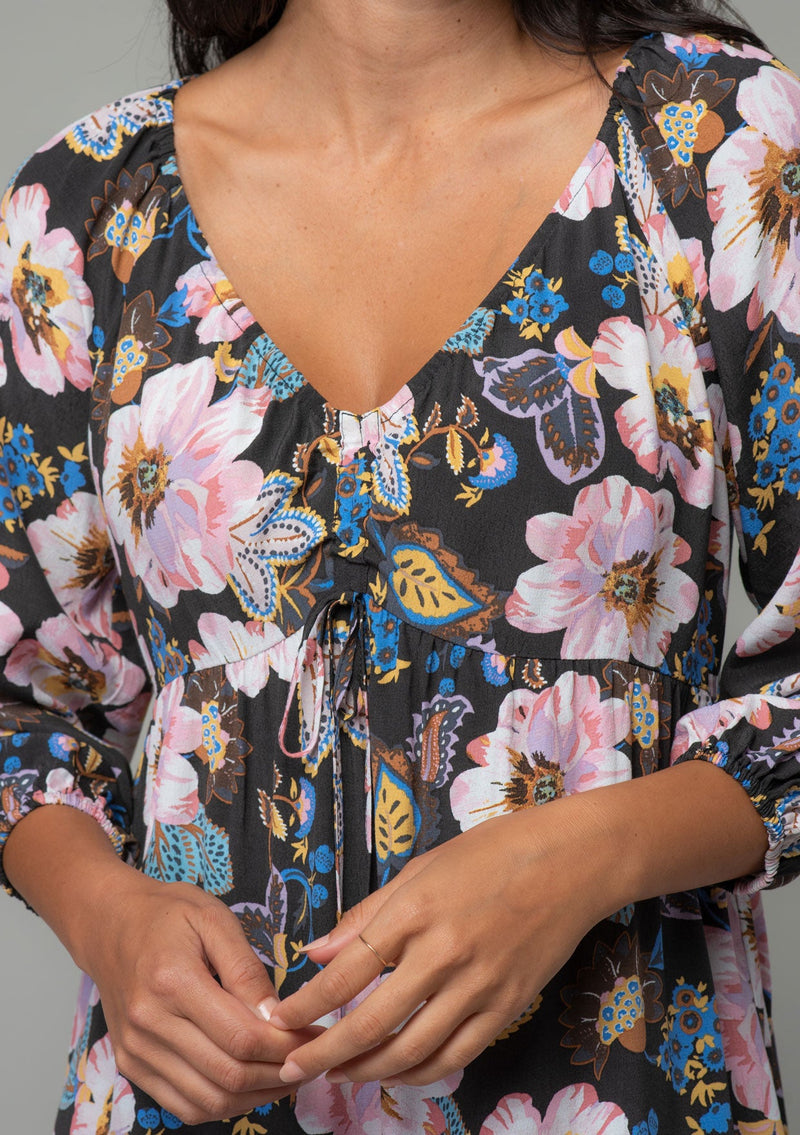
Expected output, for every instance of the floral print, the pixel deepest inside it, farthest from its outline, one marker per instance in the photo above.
(347, 638)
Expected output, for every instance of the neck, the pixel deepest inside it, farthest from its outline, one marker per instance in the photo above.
(371, 71)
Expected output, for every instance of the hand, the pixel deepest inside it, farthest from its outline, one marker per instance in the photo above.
(475, 928)
(196, 1045)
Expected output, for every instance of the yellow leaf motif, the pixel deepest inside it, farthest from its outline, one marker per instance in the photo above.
(455, 451)
(277, 823)
(77, 454)
(424, 589)
(395, 820)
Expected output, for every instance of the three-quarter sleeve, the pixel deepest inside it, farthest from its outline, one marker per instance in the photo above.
(72, 689)
(745, 204)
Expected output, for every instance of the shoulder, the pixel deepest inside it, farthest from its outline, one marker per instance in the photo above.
(694, 102)
(81, 194)
(63, 184)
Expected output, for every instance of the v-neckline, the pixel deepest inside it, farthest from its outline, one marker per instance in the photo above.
(410, 388)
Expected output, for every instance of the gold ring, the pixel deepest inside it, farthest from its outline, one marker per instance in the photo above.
(384, 963)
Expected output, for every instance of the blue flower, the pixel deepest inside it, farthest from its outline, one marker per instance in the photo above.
(447, 687)
(614, 296)
(169, 1120)
(766, 474)
(72, 478)
(19, 739)
(323, 859)
(148, 1118)
(432, 662)
(318, 895)
(757, 425)
(601, 263)
(547, 306)
(751, 522)
(535, 283)
(457, 655)
(494, 670)
(498, 465)
(98, 338)
(22, 441)
(12, 764)
(694, 60)
(61, 746)
(518, 311)
(305, 804)
(265, 1109)
(717, 1118)
(624, 262)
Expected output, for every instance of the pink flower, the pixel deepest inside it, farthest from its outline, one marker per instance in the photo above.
(777, 621)
(251, 650)
(667, 423)
(11, 629)
(104, 1100)
(575, 1110)
(592, 185)
(708, 45)
(554, 743)
(211, 298)
(172, 487)
(610, 575)
(358, 1109)
(744, 1043)
(171, 788)
(754, 200)
(43, 295)
(67, 671)
(74, 549)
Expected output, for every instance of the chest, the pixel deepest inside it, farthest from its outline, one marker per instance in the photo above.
(360, 276)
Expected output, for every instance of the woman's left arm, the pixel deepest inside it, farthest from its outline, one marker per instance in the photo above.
(477, 926)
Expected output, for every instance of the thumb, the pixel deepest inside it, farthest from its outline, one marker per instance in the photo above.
(239, 969)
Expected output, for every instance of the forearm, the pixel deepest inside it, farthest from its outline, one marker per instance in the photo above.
(684, 827)
(61, 861)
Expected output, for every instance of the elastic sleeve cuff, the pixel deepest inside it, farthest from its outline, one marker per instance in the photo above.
(780, 816)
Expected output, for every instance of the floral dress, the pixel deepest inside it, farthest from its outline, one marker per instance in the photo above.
(364, 634)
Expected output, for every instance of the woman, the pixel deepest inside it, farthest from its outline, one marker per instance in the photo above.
(393, 595)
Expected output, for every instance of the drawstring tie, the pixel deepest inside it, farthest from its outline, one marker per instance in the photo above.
(329, 686)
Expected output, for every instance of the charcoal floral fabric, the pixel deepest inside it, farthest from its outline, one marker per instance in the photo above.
(347, 638)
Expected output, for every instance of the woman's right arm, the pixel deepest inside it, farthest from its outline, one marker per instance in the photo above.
(71, 686)
(194, 1043)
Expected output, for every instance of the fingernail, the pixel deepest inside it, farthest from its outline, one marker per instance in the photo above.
(291, 1072)
(267, 1007)
(277, 1021)
(336, 1078)
(316, 945)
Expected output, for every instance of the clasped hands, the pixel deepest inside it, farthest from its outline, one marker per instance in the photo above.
(474, 929)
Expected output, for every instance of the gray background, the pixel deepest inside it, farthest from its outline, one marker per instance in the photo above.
(59, 61)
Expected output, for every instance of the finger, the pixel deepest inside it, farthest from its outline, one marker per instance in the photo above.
(345, 976)
(426, 1042)
(464, 1044)
(189, 1095)
(235, 962)
(186, 1041)
(187, 990)
(366, 1027)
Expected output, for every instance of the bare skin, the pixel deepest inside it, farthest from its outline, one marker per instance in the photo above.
(369, 171)
(338, 170)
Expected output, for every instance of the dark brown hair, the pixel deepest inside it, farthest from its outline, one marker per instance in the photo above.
(206, 32)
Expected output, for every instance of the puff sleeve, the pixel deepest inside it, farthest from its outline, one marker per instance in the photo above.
(72, 693)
